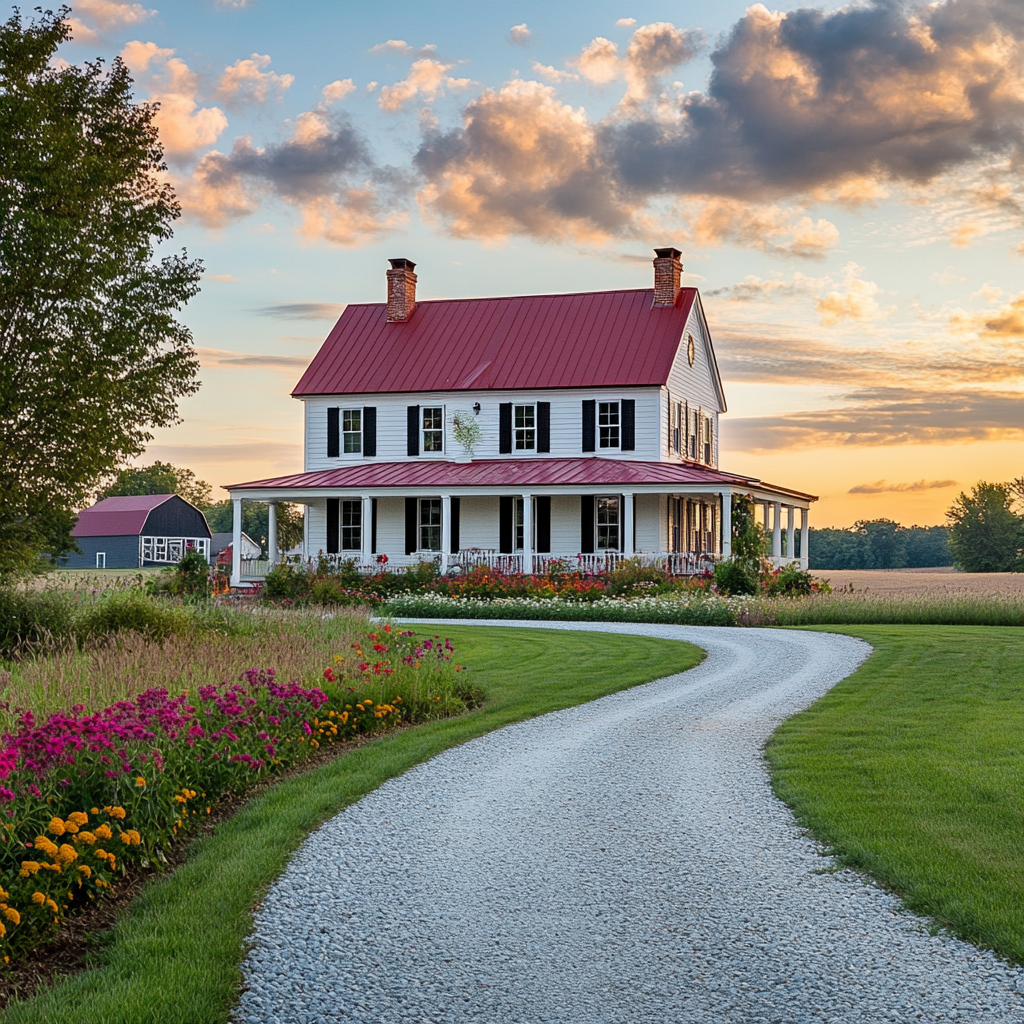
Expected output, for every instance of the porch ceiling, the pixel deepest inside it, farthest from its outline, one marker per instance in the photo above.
(500, 475)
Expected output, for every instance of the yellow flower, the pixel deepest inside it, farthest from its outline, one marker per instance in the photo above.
(125, 838)
(135, 837)
(47, 847)
(86, 837)
(103, 832)
(94, 810)
(70, 826)
(28, 867)
(115, 812)
(85, 869)
(140, 782)
(38, 897)
(67, 853)
(4, 895)
(52, 905)
(56, 826)
(3, 932)
(79, 817)
(12, 915)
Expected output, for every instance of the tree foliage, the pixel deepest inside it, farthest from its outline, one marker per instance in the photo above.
(256, 521)
(879, 544)
(91, 355)
(985, 533)
(748, 539)
(160, 478)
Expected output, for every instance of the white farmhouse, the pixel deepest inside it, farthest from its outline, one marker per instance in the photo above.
(597, 422)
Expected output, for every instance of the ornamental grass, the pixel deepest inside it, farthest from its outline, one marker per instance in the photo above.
(87, 795)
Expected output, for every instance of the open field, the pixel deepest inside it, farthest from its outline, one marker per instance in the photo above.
(176, 955)
(925, 582)
(911, 770)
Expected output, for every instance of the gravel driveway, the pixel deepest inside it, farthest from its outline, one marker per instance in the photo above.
(622, 862)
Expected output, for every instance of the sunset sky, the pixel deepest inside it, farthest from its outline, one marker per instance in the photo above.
(844, 182)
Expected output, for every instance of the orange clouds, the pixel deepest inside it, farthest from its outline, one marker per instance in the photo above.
(246, 81)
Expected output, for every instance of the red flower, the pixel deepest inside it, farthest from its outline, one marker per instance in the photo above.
(329, 675)
(364, 666)
(380, 647)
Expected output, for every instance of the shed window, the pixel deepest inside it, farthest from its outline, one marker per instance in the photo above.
(351, 525)
(430, 524)
(433, 432)
(607, 524)
(352, 431)
(608, 424)
(525, 426)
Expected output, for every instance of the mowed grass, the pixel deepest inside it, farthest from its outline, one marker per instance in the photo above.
(176, 956)
(912, 770)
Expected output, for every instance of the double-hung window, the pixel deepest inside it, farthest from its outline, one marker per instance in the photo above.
(433, 433)
(351, 431)
(351, 515)
(606, 524)
(524, 427)
(608, 425)
(430, 524)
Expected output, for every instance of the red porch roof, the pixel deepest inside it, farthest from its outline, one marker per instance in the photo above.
(591, 339)
(509, 473)
(122, 516)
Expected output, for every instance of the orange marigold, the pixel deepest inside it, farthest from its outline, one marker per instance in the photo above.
(67, 853)
(39, 897)
(12, 915)
(56, 826)
(85, 869)
(52, 905)
(103, 831)
(79, 817)
(86, 837)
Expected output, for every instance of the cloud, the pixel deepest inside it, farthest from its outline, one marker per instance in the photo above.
(1007, 321)
(625, 22)
(427, 77)
(245, 81)
(519, 35)
(881, 487)
(885, 416)
(222, 359)
(304, 311)
(599, 61)
(223, 278)
(771, 228)
(104, 15)
(401, 48)
(552, 74)
(335, 92)
(523, 162)
(184, 126)
(856, 301)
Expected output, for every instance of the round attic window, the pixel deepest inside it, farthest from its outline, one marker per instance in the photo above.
(691, 350)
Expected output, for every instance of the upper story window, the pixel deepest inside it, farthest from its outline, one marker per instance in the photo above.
(433, 430)
(351, 431)
(608, 425)
(524, 425)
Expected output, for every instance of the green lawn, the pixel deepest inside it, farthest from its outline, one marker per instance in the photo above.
(913, 771)
(176, 956)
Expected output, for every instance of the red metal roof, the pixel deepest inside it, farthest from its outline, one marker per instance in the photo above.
(590, 339)
(117, 517)
(508, 473)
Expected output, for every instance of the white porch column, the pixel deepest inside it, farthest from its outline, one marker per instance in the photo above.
(805, 537)
(366, 531)
(446, 531)
(528, 534)
(777, 533)
(726, 524)
(272, 533)
(790, 533)
(236, 543)
(628, 526)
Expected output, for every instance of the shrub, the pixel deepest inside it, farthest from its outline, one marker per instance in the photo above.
(29, 619)
(736, 577)
(191, 577)
(131, 612)
(285, 581)
(790, 581)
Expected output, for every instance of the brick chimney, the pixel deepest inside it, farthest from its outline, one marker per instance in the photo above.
(402, 290)
(667, 270)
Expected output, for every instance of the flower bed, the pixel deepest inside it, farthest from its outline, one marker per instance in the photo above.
(86, 795)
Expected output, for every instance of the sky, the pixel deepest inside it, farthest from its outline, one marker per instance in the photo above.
(844, 184)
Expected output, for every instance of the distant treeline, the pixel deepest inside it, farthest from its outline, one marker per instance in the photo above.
(879, 544)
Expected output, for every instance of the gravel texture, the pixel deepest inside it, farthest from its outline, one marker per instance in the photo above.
(622, 862)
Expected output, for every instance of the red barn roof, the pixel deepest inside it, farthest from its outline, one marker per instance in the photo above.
(509, 473)
(117, 517)
(590, 339)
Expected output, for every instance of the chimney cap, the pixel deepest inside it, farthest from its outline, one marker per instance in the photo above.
(402, 264)
(668, 253)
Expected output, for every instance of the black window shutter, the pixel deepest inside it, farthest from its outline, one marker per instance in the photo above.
(544, 427)
(369, 430)
(333, 434)
(413, 420)
(586, 524)
(506, 511)
(456, 513)
(589, 426)
(505, 428)
(373, 527)
(628, 425)
(332, 522)
(410, 526)
(544, 524)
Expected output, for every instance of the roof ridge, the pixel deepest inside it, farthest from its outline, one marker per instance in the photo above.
(529, 295)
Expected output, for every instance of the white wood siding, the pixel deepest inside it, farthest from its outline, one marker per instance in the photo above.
(566, 424)
(478, 522)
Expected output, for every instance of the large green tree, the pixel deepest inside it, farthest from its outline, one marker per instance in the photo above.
(256, 521)
(91, 354)
(160, 478)
(985, 534)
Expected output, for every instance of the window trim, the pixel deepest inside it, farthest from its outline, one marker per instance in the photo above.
(617, 498)
(617, 426)
(424, 450)
(533, 430)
